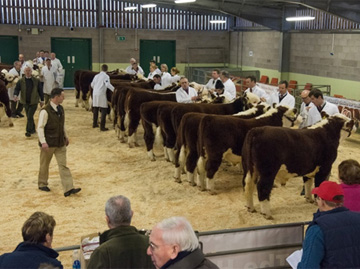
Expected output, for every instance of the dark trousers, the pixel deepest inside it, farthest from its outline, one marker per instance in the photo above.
(16, 108)
(30, 111)
(103, 111)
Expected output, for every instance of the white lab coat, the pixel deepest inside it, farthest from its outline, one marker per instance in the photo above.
(288, 100)
(310, 115)
(165, 79)
(151, 75)
(230, 88)
(11, 90)
(183, 97)
(158, 87)
(211, 83)
(49, 76)
(175, 79)
(260, 92)
(330, 108)
(100, 83)
(57, 64)
(131, 71)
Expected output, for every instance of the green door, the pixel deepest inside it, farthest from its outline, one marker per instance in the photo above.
(9, 49)
(162, 51)
(74, 54)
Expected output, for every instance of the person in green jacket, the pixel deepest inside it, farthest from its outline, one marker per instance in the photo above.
(31, 93)
(122, 246)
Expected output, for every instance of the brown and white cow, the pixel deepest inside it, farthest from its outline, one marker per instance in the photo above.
(187, 154)
(225, 135)
(271, 152)
(134, 98)
(5, 103)
(169, 117)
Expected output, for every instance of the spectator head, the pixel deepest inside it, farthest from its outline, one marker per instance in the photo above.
(316, 97)
(168, 238)
(104, 68)
(41, 53)
(57, 96)
(28, 71)
(329, 195)
(132, 61)
(164, 68)
(135, 66)
(46, 54)
(219, 87)
(174, 71)
(224, 75)
(283, 85)
(184, 83)
(17, 65)
(21, 58)
(305, 96)
(53, 56)
(118, 211)
(37, 54)
(349, 172)
(157, 78)
(153, 68)
(48, 61)
(250, 81)
(39, 229)
(215, 73)
(152, 63)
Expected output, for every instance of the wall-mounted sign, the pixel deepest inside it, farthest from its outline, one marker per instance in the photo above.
(120, 38)
(251, 53)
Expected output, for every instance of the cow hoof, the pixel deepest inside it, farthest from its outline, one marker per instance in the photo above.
(131, 146)
(251, 210)
(192, 184)
(283, 184)
(212, 192)
(11, 124)
(76, 105)
(178, 180)
(137, 145)
(309, 200)
(122, 140)
(168, 160)
(268, 217)
(153, 159)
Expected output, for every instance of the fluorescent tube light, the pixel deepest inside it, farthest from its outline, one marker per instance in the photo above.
(184, 1)
(148, 6)
(130, 8)
(217, 21)
(303, 18)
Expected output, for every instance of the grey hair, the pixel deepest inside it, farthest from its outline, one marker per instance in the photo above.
(225, 73)
(166, 67)
(118, 210)
(178, 230)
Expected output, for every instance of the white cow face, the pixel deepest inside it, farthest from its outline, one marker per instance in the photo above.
(290, 117)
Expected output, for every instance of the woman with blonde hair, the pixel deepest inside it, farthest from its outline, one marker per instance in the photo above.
(175, 77)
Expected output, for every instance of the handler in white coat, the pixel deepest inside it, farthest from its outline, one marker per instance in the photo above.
(100, 84)
(16, 106)
(284, 98)
(48, 76)
(308, 111)
(186, 94)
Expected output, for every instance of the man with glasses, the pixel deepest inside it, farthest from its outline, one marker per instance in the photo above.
(308, 111)
(333, 237)
(173, 244)
(122, 246)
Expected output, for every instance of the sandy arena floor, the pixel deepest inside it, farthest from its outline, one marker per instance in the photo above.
(103, 167)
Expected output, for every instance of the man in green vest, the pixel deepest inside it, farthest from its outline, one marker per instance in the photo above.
(53, 141)
(31, 91)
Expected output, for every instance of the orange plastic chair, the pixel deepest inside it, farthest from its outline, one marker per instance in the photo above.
(274, 81)
(338, 96)
(308, 86)
(264, 79)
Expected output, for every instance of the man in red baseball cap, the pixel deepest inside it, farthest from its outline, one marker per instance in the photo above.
(333, 237)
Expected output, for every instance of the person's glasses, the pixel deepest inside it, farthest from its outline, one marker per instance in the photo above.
(153, 246)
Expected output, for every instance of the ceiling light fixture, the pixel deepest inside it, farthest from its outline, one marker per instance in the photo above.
(217, 21)
(184, 1)
(302, 18)
(130, 8)
(148, 6)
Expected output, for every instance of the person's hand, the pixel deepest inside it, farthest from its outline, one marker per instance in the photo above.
(194, 98)
(67, 141)
(41, 103)
(15, 98)
(44, 146)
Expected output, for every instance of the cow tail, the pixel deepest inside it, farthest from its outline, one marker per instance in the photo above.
(247, 155)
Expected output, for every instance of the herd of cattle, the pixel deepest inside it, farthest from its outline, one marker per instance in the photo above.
(197, 137)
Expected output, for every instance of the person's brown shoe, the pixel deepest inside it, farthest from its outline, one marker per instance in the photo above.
(72, 191)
